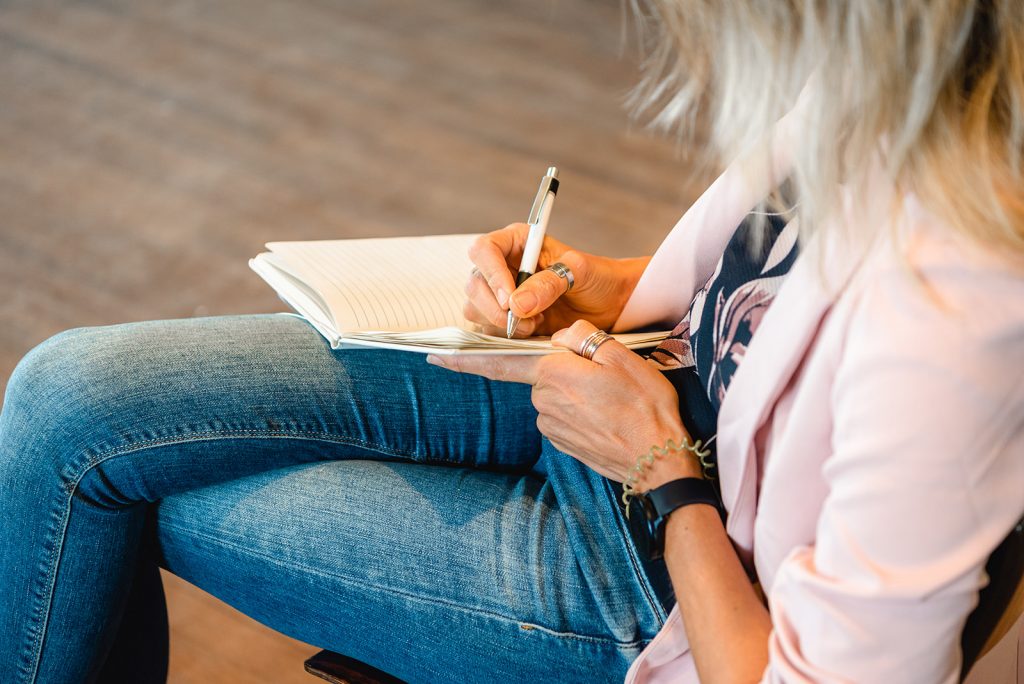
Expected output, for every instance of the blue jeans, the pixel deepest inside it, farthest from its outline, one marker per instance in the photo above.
(362, 501)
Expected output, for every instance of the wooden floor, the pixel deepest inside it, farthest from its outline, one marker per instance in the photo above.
(148, 148)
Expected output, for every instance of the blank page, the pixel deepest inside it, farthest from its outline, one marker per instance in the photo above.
(393, 284)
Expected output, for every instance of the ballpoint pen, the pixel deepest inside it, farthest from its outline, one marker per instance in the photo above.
(539, 216)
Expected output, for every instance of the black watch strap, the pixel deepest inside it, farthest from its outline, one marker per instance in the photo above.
(678, 493)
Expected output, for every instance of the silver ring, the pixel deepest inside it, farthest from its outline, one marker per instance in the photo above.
(592, 342)
(562, 271)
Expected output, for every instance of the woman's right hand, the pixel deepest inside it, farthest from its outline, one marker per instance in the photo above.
(602, 285)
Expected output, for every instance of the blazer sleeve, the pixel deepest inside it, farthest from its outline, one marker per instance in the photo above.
(925, 478)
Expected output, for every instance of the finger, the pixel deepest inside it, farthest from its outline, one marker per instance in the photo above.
(611, 352)
(537, 293)
(491, 252)
(473, 315)
(482, 307)
(543, 288)
(507, 368)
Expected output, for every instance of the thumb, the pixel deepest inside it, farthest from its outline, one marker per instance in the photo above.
(542, 289)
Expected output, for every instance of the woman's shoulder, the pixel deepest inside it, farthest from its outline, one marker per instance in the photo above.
(927, 298)
(928, 286)
(932, 355)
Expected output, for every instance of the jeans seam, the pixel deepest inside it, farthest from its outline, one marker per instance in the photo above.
(634, 559)
(102, 456)
(41, 614)
(409, 595)
(39, 620)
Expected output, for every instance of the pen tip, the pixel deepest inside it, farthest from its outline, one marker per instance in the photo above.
(553, 171)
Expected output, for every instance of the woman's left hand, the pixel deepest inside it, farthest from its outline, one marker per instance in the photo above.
(604, 412)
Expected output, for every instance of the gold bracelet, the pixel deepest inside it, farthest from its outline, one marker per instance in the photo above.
(701, 452)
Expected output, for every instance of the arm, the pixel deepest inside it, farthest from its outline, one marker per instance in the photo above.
(925, 478)
(726, 623)
(638, 407)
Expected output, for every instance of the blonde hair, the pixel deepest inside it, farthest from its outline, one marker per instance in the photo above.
(934, 89)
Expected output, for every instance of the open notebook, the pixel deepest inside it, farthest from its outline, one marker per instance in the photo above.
(397, 293)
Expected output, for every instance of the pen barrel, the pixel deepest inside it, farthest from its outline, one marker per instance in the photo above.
(521, 278)
(534, 242)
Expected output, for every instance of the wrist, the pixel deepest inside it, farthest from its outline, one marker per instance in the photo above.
(668, 469)
(664, 461)
(629, 271)
(632, 269)
(669, 442)
(664, 503)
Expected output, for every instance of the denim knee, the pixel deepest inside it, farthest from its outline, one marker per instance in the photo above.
(55, 407)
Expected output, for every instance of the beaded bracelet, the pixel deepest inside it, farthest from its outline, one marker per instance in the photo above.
(701, 452)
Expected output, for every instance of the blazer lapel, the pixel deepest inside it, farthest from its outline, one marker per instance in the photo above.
(775, 351)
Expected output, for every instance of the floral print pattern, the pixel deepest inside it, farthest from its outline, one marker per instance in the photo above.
(713, 337)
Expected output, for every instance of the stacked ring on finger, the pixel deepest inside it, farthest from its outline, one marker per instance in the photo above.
(592, 341)
(562, 271)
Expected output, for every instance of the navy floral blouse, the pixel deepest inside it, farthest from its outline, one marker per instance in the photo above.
(704, 351)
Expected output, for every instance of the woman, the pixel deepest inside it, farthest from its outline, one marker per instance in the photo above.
(869, 435)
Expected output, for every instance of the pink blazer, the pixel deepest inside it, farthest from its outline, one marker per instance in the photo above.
(871, 447)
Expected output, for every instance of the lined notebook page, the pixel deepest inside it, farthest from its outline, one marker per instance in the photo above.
(393, 284)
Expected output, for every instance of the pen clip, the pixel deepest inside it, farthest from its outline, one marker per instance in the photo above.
(548, 185)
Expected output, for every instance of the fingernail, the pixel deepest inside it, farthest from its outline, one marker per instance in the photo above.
(502, 298)
(525, 302)
(434, 360)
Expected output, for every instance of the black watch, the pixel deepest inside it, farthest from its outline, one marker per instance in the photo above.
(658, 504)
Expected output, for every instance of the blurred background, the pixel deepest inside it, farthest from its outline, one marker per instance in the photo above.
(148, 149)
